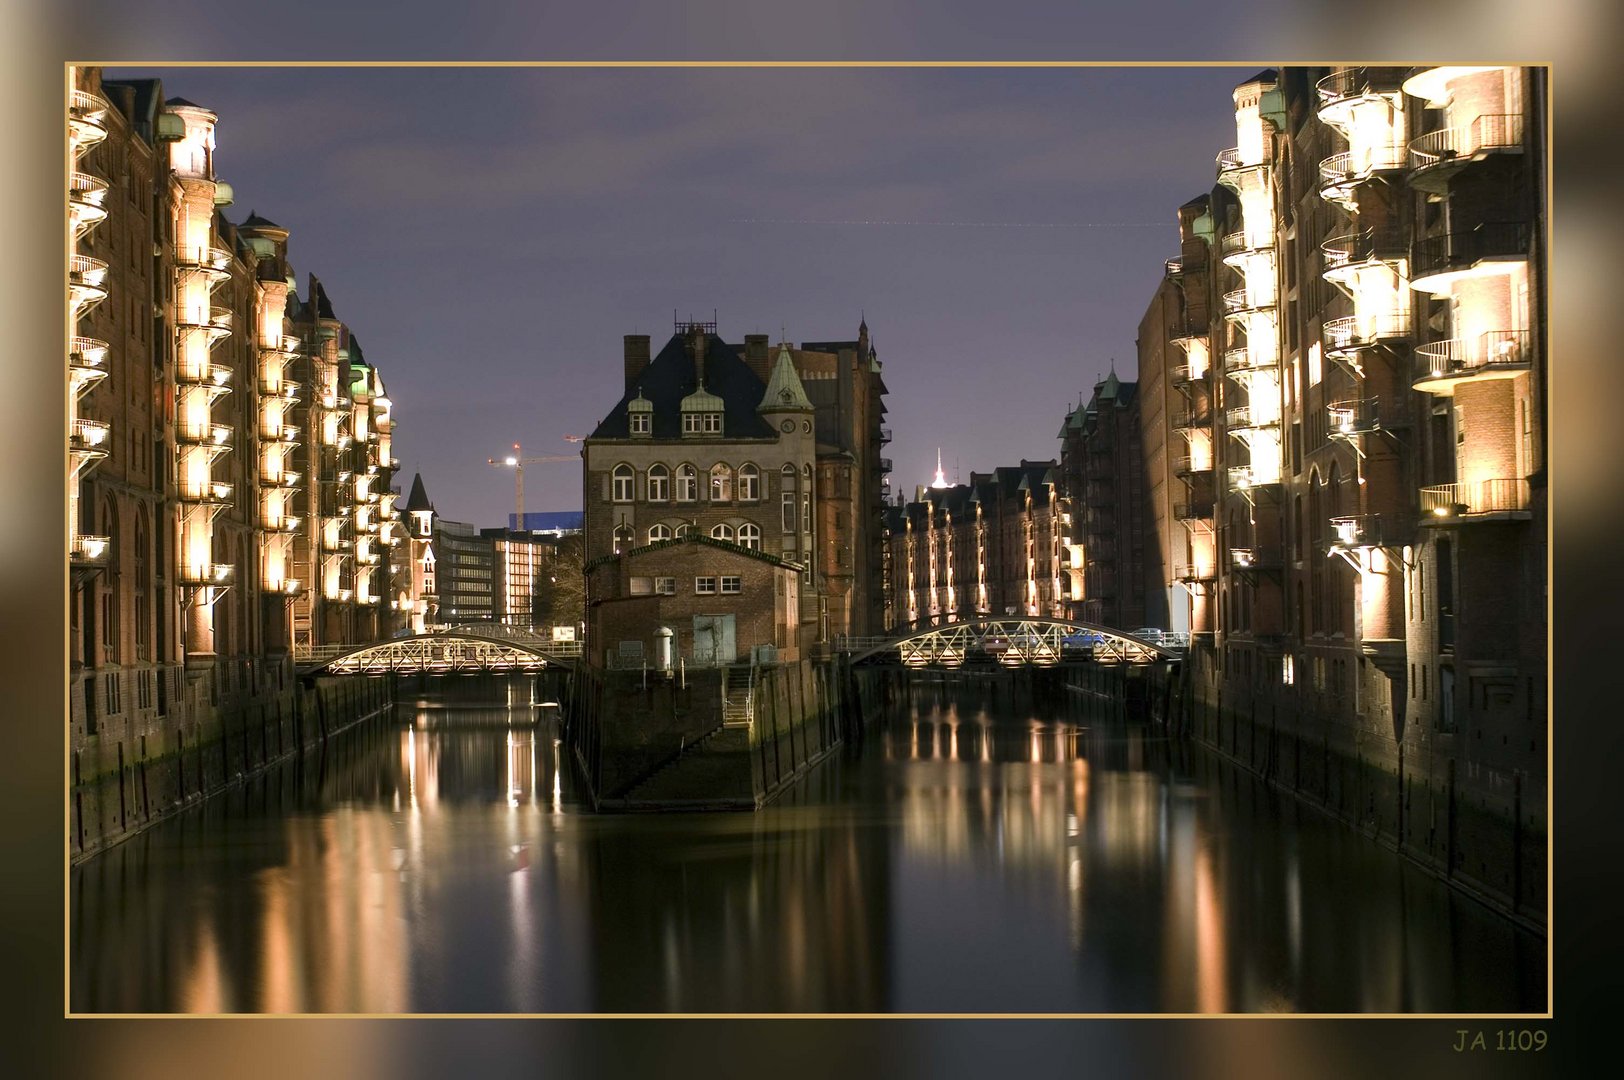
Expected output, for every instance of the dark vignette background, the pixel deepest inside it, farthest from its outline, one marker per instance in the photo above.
(36, 38)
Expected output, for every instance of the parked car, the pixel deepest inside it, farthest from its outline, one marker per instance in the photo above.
(1151, 634)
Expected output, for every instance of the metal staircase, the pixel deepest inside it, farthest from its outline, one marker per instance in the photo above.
(738, 696)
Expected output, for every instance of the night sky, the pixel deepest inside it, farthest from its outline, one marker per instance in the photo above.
(490, 234)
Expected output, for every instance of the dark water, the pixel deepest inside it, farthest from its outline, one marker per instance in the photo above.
(967, 858)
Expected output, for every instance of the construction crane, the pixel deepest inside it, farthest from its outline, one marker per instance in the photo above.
(517, 461)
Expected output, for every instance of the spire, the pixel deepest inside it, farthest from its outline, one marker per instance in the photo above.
(784, 389)
(418, 499)
(941, 479)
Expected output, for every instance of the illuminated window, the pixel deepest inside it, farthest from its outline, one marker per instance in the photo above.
(687, 483)
(749, 483)
(1314, 364)
(659, 483)
(750, 536)
(722, 532)
(621, 486)
(721, 483)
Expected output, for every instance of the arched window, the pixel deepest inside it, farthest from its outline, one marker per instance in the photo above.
(623, 538)
(659, 483)
(687, 483)
(111, 583)
(721, 482)
(685, 529)
(620, 489)
(722, 532)
(142, 570)
(656, 533)
(750, 536)
(786, 498)
(749, 483)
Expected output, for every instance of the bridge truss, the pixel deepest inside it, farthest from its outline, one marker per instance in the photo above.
(1008, 642)
(480, 649)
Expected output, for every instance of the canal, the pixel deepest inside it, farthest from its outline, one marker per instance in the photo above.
(972, 855)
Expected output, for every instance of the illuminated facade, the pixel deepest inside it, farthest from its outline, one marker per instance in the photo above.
(190, 427)
(1102, 481)
(1374, 561)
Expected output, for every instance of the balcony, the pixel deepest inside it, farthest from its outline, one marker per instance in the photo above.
(1243, 360)
(1438, 155)
(1343, 91)
(1353, 417)
(213, 376)
(1186, 422)
(288, 587)
(89, 437)
(212, 435)
(882, 465)
(1440, 366)
(87, 362)
(1186, 466)
(1242, 418)
(1192, 511)
(1341, 174)
(1193, 574)
(1355, 333)
(207, 261)
(214, 323)
(1239, 246)
(208, 574)
(1235, 172)
(86, 197)
(336, 545)
(1493, 500)
(285, 481)
(1184, 333)
(289, 346)
(87, 119)
(282, 523)
(88, 551)
(1243, 478)
(1184, 375)
(1437, 262)
(1344, 256)
(368, 558)
(1174, 268)
(87, 283)
(1239, 303)
(885, 435)
(211, 494)
(1363, 531)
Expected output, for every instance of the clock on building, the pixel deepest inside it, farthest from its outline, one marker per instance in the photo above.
(787, 426)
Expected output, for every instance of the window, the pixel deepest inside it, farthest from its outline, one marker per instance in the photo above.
(721, 483)
(687, 483)
(730, 585)
(705, 586)
(684, 529)
(690, 423)
(659, 483)
(656, 533)
(620, 489)
(787, 510)
(1314, 364)
(749, 483)
(713, 423)
(623, 538)
(722, 532)
(665, 586)
(750, 536)
(640, 423)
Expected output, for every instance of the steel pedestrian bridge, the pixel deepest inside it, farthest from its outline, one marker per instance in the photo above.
(482, 648)
(1006, 642)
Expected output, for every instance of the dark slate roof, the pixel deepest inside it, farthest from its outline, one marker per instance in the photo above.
(356, 356)
(1199, 201)
(418, 499)
(669, 378)
(324, 307)
(183, 102)
(1267, 75)
(828, 346)
(254, 221)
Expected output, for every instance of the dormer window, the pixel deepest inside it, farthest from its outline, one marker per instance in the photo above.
(640, 423)
(713, 423)
(690, 424)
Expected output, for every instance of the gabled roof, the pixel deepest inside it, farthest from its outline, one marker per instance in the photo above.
(725, 545)
(784, 391)
(254, 221)
(183, 103)
(669, 378)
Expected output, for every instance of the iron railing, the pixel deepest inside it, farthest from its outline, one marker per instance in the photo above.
(1465, 357)
(1499, 495)
(1490, 131)
(1462, 250)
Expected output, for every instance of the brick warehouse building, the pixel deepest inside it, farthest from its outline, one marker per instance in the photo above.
(769, 451)
(1357, 327)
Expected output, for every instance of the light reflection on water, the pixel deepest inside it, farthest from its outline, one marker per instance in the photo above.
(967, 857)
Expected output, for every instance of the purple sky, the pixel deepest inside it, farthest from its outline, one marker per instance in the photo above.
(490, 234)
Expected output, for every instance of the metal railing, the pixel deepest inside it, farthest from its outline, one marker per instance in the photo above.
(1185, 465)
(1356, 82)
(1245, 301)
(1340, 171)
(211, 435)
(218, 319)
(1357, 416)
(1499, 495)
(210, 375)
(1490, 131)
(1243, 358)
(204, 258)
(208, 574)
(1195, 573)
(87, 352)
(1462, 250)
(88, 434)
(1192, 511)
(87, 272)
(1359, 531)
(1174, 267)
(1465, 357)
(1368, 245)
(1353, 332)
(88, 550)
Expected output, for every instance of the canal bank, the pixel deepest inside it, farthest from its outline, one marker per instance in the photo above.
(210, 728)
(1416, 790)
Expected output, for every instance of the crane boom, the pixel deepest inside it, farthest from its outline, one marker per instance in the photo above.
(517, 461)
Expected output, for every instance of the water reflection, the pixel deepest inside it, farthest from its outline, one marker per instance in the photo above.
(971, 856)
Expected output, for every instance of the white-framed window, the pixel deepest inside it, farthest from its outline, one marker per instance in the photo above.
(786, 505)
(620, 488)
(1314, 364)
(712, 423)
(690, 423)
(722, 532)
(640, 423)
(659, 483)
(705, 586)
(687, 483)
(656, 533)
(750, 536)
(623, 538)
(749, 483)
(730, 585)
(721, 482)
(665, 586)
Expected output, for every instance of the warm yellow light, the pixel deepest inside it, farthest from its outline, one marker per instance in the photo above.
(1441, 511)
(510, 461)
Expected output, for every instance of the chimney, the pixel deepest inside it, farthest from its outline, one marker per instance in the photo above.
(636, 357)
(755, 355)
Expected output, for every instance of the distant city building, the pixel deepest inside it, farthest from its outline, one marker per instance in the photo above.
(1102, 479)
(549, 522)
(771, 452)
